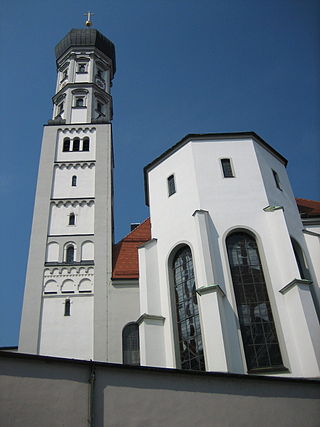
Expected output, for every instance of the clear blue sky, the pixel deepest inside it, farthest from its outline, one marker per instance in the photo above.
(183, 66)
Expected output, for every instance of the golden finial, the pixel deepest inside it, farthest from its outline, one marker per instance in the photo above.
(88, 21)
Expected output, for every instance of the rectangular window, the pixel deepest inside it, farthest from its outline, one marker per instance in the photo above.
(276, 179)
(67, 308)
(79, 102)
(226, 168)
(171, 185)
(82, 68)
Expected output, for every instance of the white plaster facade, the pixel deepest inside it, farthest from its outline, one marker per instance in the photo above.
(202, 212)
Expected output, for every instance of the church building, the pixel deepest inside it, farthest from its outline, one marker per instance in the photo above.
(224, 275)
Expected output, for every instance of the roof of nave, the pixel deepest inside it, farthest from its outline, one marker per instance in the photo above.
(125, 252)
(308, 208)
(87, 37)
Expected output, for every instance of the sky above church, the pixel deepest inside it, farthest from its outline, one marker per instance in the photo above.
(183, 66)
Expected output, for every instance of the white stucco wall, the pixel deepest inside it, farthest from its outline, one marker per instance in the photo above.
(84, 218)
(231, 204)
(62, 181)
(67, 336)
(74, 156)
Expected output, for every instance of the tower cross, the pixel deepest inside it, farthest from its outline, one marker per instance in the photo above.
(88, 21)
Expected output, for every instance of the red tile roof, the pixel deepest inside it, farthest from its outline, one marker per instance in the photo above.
(308, 208)
(125, 252)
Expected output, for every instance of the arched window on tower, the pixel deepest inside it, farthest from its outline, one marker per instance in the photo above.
(72, 219)
(66, 144)
(70, 254)
(259, 336)
(186, 309)
(67, 307)
(74, 181)
(85, 144)
(130, 344)
(76, 144)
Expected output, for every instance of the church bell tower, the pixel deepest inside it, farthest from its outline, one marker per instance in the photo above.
(70, 257)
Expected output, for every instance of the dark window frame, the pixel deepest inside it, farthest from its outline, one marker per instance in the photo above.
(74, 181)
(258, 330)
(67, 307)
(70, 253)
(76, 144)
(188, 334)
(227, 168)
(86, 144)
(72, 219)
(171, 185)
(66, 145)
(131, 344)
(276, 179)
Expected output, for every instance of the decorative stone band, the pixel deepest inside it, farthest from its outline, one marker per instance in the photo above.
(75, 165)
(72, 202)
(154, 318)
(295, 282)
(272, 208)
(210, 289)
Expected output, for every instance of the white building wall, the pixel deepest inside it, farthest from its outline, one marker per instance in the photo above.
(84, 218)
(67, 336)
(62, 187)
(231, 203)
(76, 156)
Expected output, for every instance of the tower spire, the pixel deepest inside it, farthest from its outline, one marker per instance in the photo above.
(88, 21)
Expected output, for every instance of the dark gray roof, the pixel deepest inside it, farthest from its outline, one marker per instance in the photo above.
(87, 37)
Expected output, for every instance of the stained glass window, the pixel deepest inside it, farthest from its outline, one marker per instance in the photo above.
(257, 326)
(130, 344)
(187, 312)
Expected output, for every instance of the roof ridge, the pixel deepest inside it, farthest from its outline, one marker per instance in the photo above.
(132, 231)
(307, 200)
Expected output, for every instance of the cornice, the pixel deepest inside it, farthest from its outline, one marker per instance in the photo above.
(74, 165)
(72, 202)
(155, 317)
(63, 270)
(81, 86)
(293, 283)
(208, 289)
(77, 130)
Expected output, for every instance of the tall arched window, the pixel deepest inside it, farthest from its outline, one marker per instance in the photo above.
(76, 144)
(66, 144)
(257, 326)
(187, 311)
(85, 144)
(70, 254)
(130, 344)
(74, 181)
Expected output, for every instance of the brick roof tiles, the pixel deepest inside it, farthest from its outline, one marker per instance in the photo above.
(308, 208)
(125, 252)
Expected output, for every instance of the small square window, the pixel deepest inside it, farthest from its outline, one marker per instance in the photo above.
(79, 102)
(171, 185)
(82, 68)
(276, 179)
(226, 168)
